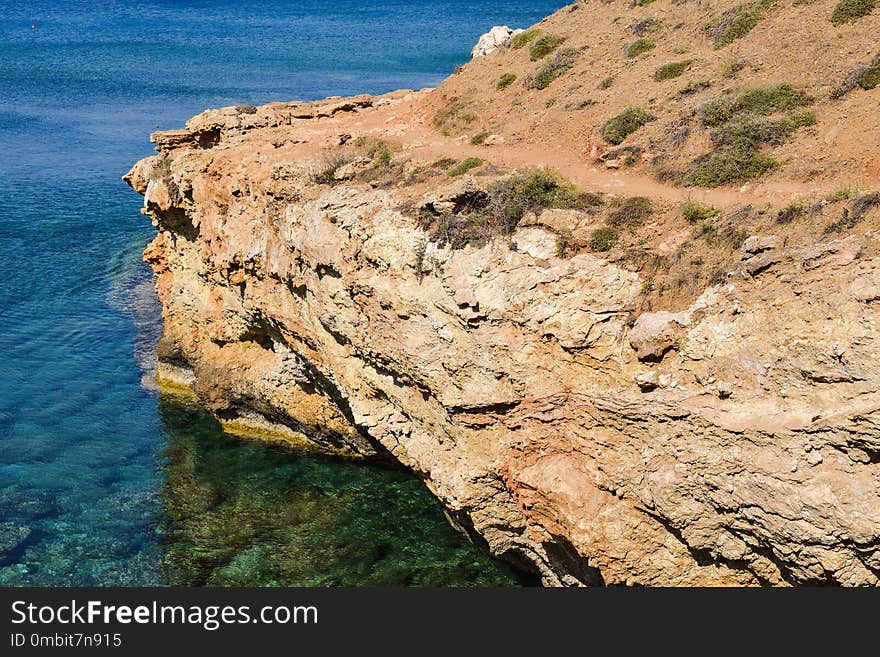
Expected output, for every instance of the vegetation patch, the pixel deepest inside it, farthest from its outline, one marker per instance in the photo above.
(579, 105)
(845, 193)
(480, 215)
(606, 82)
(522, 39)
(752, 130)
(644, 26)
(736, 22)
(325, 172)
(849, 11)
(791, 212)
(855, 213)
(464, 166)
(627, 155)
(630, 213)
(870, 77)
(480, 138)
(864, 204)
(456, 117)
(639, 47)
(624, 124)
(545, 45)
(543, 76)
(730, 67)
(505, 81)
(532, 191)
(604, 238)
(694, 87)
(761, 100)
(382, 158)
(672, 70)
(867, 77)
(741, 123)
(696, 213)
(727, 166)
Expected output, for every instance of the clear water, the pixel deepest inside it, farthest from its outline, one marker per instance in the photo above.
(101, 481)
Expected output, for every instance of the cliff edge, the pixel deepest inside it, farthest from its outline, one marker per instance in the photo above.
(607, 373)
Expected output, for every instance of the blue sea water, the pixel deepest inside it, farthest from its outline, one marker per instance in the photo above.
(103, 482)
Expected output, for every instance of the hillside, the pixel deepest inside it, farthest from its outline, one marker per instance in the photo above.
(818, 144)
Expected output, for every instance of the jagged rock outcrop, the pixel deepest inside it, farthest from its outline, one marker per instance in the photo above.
(733, 442)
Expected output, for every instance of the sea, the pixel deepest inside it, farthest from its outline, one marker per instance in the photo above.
(103, 481)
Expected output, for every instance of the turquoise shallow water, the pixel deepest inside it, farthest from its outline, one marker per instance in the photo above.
(102, 482)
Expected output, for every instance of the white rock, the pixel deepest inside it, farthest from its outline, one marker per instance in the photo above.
(498, 37)
(647, 381)
(536, 242)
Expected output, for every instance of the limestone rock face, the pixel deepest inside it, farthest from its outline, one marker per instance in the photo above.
(498, 37)
(735, 441)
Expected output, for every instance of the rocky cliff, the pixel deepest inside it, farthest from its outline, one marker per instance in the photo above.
(576, 407)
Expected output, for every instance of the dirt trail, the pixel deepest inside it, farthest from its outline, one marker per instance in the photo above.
(406, 121)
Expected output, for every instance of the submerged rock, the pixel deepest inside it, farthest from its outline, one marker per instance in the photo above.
(11, 536)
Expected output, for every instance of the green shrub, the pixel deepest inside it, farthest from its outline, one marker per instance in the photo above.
(602, 239)
(464, 166)
(522, 39)
(607, 82)
(579, 105)
(849, 11)
(532, 191)
(845, 193)
(672, 70)
(479, 139)
(443, 163)
(741, 124)
(736, 22)
(867, 77)
(631, 213)
(761, 100)
(791, 212)
(546, 73)
(870, 77)
(706, 227)
(802, 119)
(727, 166)
(696, 213)
(752, 130)
(730, 67)
(545, 45)
(694, 87)
(639, 47)
(505, 81)
(382, 158)
(623, 125)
